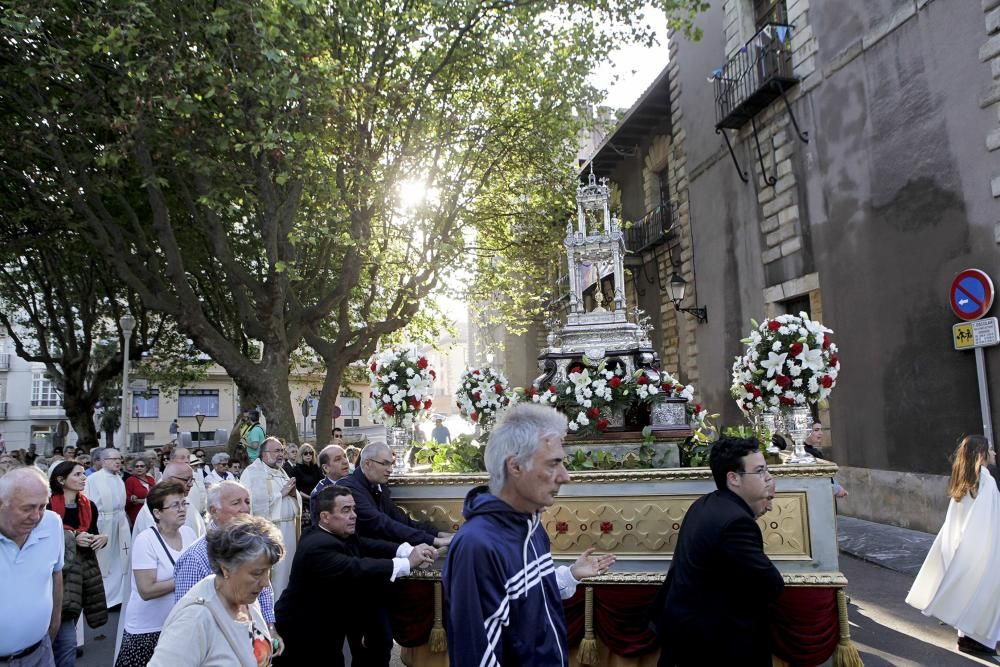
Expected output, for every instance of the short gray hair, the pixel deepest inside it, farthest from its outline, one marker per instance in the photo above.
(374, 449)
(244, 539)
(518, 433)
(98, 453)
(221, 457)
(214, 494)
(16, 477)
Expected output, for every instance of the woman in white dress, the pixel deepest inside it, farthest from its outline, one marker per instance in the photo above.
(957, 582)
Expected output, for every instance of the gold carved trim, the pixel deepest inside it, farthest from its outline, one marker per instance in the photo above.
(634, 527)
(811, 579)
(613, 476)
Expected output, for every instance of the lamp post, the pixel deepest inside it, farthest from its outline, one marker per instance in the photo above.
(675, 291)
(127, 323)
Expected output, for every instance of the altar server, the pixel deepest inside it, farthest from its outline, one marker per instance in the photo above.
(273, 495)
(107, 490)
(958, 583)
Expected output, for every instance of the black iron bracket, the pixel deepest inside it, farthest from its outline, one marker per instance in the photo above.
(769, 180)
(699, 313)
(739, 169)
(803, 135)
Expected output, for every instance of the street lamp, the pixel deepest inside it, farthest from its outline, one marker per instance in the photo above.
(127, 323)
(675, 292)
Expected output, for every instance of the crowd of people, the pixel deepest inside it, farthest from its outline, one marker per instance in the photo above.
(220, 569)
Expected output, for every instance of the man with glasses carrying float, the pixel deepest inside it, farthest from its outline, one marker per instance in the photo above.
(273, 496)
(378, 516)
(107, 490)
(713, 607)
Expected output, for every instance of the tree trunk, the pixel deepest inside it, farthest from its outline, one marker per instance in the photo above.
(270, 387)
(84, 427)
(328, 399)
(79, 408)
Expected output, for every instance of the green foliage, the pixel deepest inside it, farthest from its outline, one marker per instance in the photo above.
(239, 165)
(599, 459)
(462, 454)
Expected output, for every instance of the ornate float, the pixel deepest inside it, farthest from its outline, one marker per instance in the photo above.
(634, 513)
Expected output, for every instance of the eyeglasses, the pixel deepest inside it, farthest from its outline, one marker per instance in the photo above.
(140, 465)
(763, 472)
(385, 463)
(115, 458)
(176, 506)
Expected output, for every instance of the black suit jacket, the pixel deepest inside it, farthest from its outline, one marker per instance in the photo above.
(336, 588)
(713, 607)
(379, 517)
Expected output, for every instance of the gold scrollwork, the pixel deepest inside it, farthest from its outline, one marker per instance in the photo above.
(637, 528)
(812, 579)
(612, 476)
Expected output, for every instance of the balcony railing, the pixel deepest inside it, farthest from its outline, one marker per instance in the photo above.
(759, 72)
(651, 229)
(3, 411)
(4, 361)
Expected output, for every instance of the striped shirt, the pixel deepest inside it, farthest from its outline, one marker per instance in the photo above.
(193, 566)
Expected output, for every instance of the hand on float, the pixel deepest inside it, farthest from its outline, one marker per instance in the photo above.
(591, 565)
(443, 539)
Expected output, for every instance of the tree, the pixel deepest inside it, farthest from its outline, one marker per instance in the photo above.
(268, 141)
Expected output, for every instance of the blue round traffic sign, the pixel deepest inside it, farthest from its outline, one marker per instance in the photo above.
(971, 294)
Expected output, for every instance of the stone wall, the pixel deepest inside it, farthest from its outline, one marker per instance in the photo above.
(909, 500)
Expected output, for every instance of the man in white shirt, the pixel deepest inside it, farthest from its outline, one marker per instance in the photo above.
(31, 563)
(107, 490)
(273, 496)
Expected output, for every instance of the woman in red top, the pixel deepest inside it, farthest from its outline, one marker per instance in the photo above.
(136, 488)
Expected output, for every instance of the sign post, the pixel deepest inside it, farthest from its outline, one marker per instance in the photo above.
(971, 297)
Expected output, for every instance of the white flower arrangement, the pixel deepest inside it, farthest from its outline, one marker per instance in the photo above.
(788, 361)
(401, 387)
(482, 394)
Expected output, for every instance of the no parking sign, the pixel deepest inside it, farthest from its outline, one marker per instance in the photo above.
(971, 294)
(971, 297)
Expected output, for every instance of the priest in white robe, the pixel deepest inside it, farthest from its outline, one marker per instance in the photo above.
(106, 488)
(273, 496)
(958, 581)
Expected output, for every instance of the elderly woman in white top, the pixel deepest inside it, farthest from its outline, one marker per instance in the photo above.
(218, 622)
(154, 554)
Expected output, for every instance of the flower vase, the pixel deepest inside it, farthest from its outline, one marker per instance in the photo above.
(798, 420)
(773, 422)
(399, 440)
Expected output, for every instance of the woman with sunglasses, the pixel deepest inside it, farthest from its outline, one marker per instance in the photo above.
(307, 474)
(154, 553)
(137, 487)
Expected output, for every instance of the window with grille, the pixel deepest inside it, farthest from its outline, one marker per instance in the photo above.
(769, 11)
(146, 404)
(194, 401)
(43, 392)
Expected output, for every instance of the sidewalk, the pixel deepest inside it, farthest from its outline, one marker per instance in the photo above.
(899, 549)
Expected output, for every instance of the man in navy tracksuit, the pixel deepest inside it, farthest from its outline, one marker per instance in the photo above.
(503, 592)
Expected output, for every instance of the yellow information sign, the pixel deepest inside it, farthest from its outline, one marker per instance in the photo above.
(980, 333)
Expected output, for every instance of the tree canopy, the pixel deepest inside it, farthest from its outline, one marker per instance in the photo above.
(238, 165)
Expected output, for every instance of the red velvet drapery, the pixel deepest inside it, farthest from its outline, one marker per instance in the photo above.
(804, 633)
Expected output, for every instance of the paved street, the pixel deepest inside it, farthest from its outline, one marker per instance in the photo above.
(886, 630)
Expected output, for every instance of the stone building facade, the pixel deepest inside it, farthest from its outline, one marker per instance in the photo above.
(858, 201)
